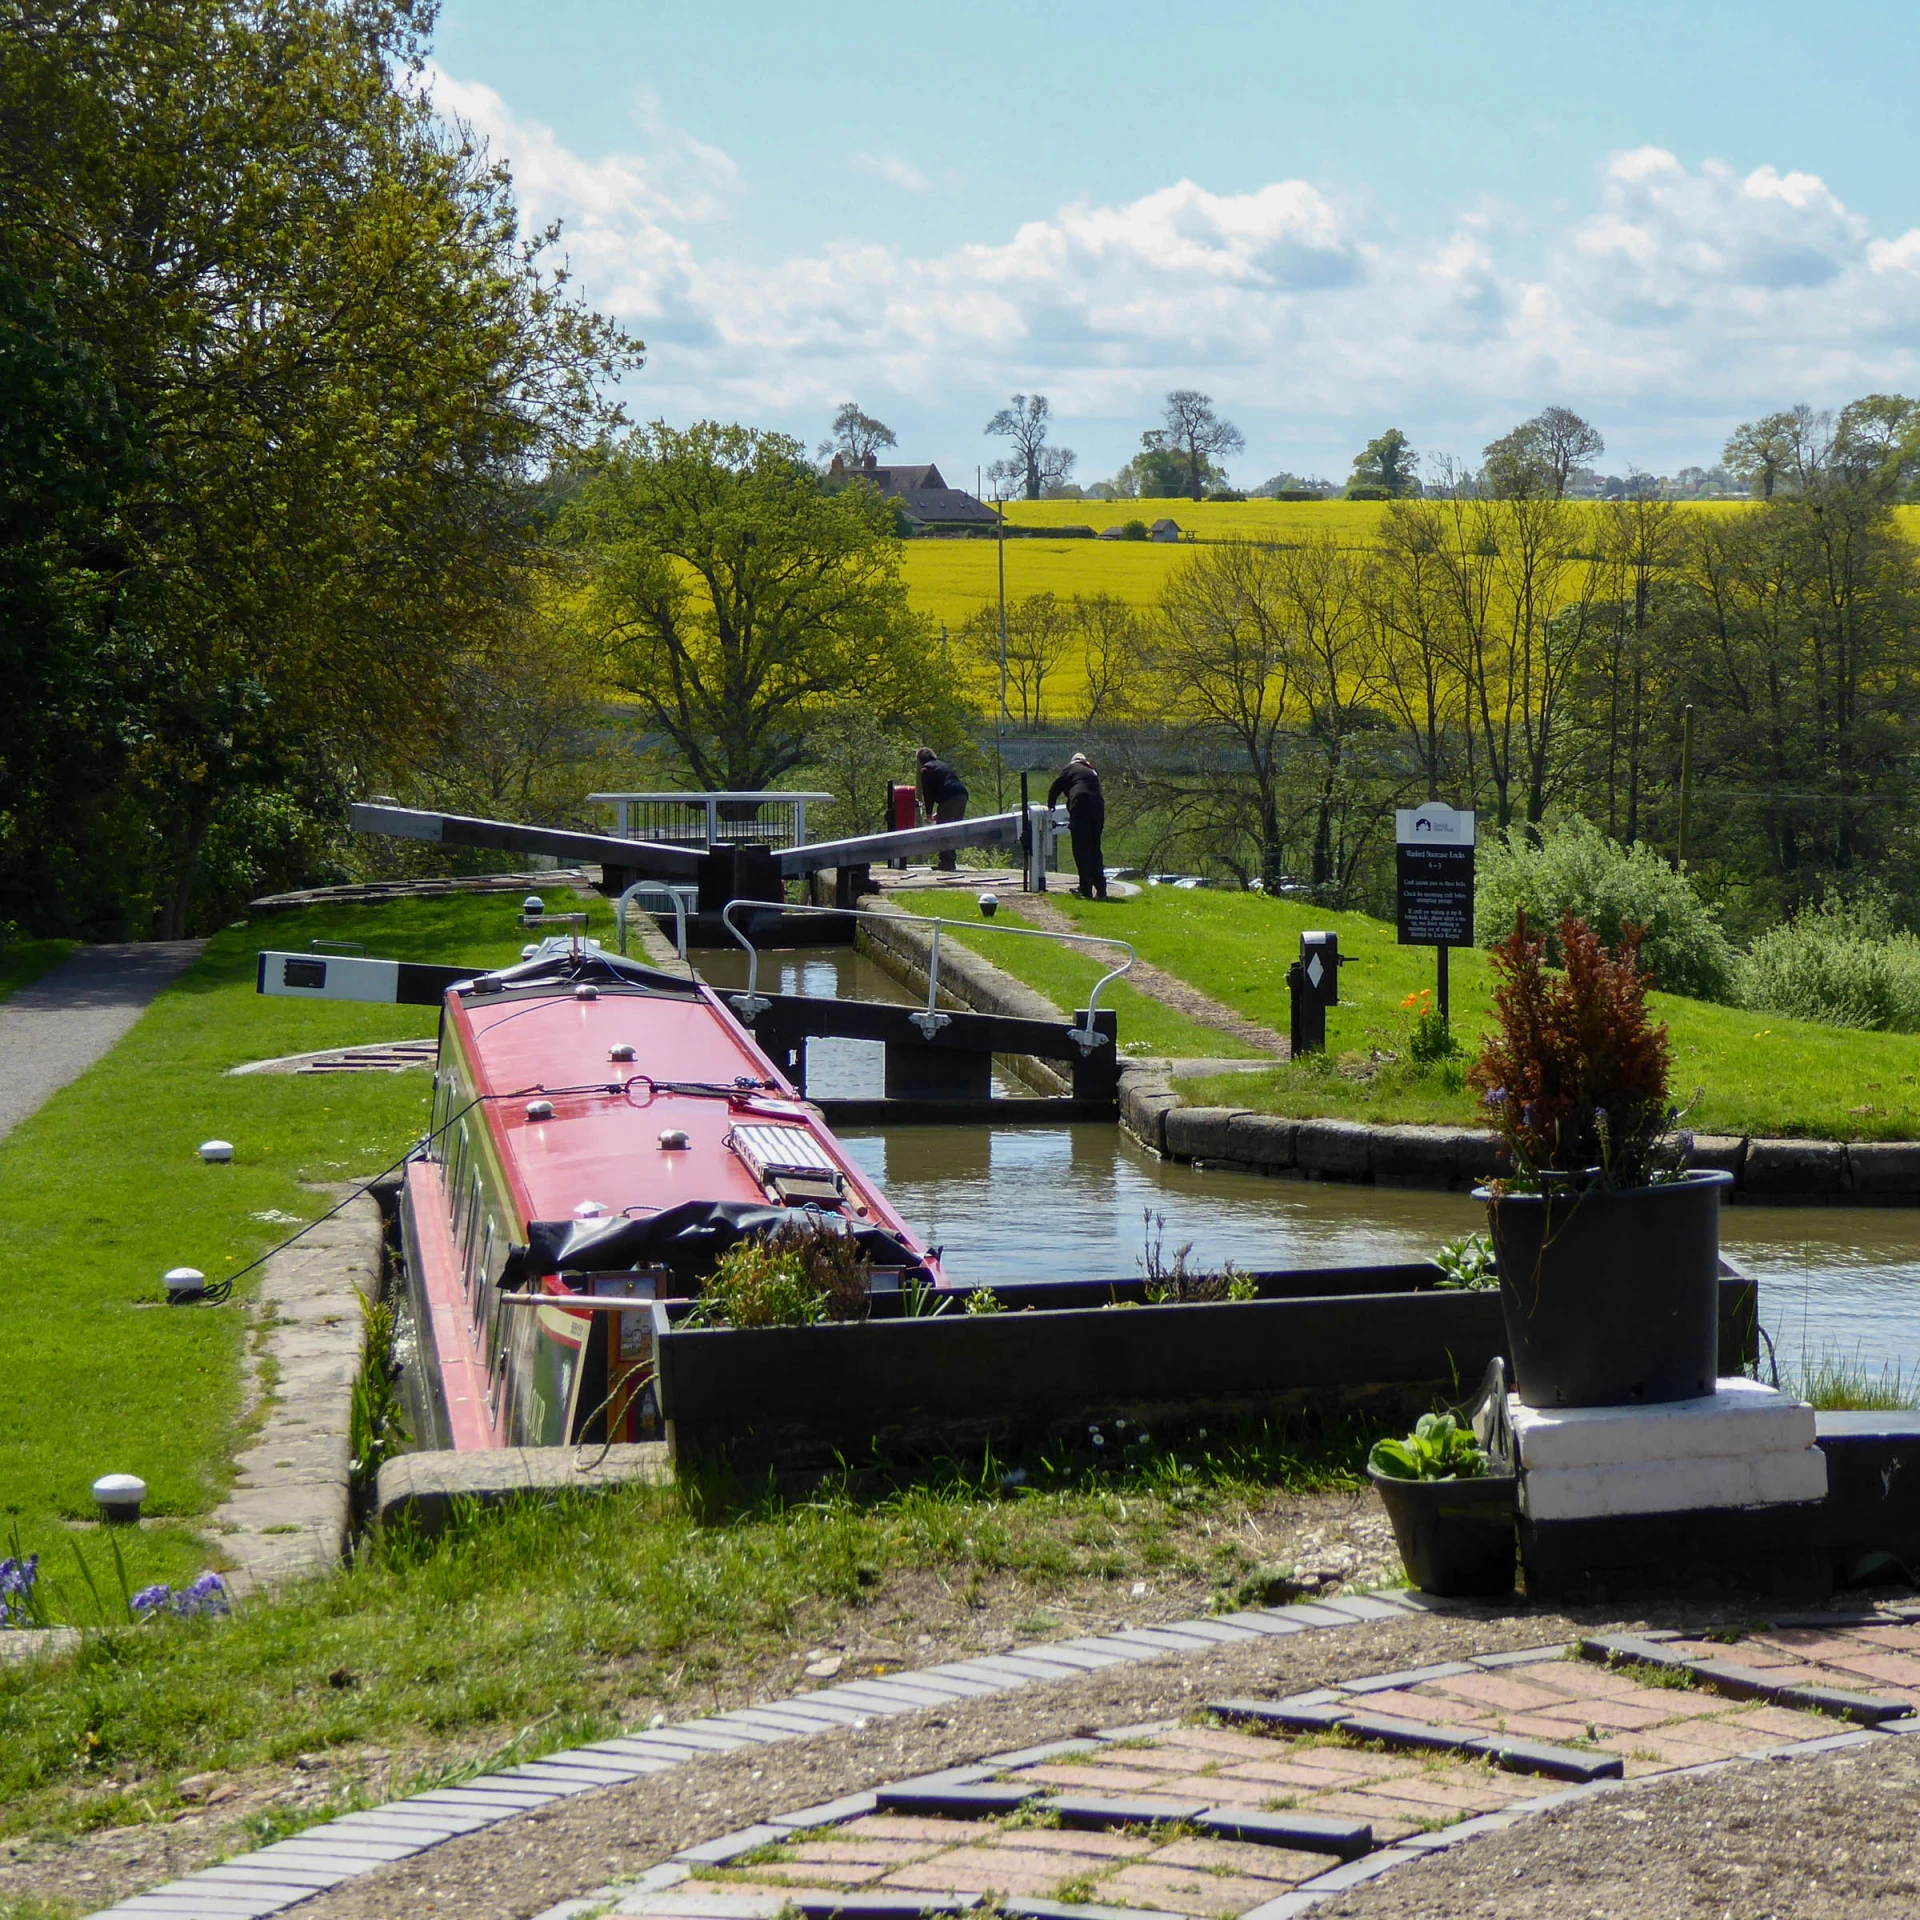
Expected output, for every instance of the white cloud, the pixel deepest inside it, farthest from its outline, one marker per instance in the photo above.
(1675, 301)
(891, 168)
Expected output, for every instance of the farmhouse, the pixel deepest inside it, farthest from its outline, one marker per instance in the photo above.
(924, 497)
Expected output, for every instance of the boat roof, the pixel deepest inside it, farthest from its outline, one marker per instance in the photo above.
(695, 1070)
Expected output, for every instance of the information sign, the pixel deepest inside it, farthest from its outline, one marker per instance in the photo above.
(1434, 857)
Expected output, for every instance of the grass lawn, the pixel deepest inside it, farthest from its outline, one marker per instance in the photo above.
(541, 1627)
(1066, 976)
(24, 961)
(1762, 1074)
(102, 1190)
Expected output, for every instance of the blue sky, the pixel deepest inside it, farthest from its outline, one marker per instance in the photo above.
(1331, 219)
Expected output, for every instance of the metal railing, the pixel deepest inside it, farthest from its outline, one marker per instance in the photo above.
(675, 899)
(930, 1021)
(707, 820)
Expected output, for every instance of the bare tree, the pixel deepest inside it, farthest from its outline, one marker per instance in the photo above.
(1114, 639)
(854, 436)
(1034, 465)
(1194, 431)
(1222, 669)
(1041, 634)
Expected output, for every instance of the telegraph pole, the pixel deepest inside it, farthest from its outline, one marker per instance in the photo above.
(1686, 780)
(1000, 555)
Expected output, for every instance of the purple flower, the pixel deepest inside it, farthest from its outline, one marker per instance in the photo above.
(1494, 1097)
(207, 1595)
(17, 1579)
(151, 1599)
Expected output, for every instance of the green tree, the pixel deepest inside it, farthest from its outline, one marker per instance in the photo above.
(1197, 436)
(346, 363)
(1386, 465)
(740, 601)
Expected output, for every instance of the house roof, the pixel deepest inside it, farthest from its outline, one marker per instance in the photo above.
(924, 496)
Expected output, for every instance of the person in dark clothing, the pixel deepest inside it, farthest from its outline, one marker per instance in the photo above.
(943, 796)
(1086, 821)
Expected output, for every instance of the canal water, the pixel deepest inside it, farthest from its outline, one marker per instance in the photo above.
(1040, 1202)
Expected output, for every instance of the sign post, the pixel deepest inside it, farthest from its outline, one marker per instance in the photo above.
(1434, 869)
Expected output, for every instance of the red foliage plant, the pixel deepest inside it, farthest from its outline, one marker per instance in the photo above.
(1574, 1074)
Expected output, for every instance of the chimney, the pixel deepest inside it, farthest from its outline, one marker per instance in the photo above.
(870, 462)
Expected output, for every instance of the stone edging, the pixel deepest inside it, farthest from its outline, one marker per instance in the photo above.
(276, 1877)
(289, 1512)
(1802, 1172)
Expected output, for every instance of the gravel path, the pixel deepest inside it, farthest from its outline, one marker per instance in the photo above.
(1165, 987)
(1832, 1837)
(576, 1846)
(52, 1031)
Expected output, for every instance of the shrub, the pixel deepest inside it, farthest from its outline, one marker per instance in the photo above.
(1839, 963)
(1574, 1074)
(1134, 530)
(1574, 868)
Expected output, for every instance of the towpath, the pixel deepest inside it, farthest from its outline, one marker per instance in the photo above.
(1158, 984)
(52, 1031)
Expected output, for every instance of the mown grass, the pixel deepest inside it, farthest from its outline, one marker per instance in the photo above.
(1759, 1073)
(102, 1190)
(23, 961)
(539, 1626)
(1066, 976)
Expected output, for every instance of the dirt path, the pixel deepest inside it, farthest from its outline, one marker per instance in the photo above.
(52, 1031)
(1165, 987)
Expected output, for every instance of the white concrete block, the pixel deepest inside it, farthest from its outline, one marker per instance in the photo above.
(1673, 1486)
(1741, 1419)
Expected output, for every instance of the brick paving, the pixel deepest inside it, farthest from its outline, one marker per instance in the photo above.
(1259, 1807)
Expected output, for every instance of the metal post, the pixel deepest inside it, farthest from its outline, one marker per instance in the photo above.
(1445, 1017)
(1000, 555)
(1686, 779)
(799, 823)
(713, 824)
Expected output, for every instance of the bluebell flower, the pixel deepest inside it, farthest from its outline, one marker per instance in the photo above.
(1494, 1097)
(17, 1579)
(207, 1595)
(152, 1599)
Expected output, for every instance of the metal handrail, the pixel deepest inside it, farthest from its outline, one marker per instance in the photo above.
(676, 894)
(932, 1020)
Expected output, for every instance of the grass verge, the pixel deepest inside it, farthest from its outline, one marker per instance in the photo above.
(540, 1626)
(102, 1190)
(1760, 1074)
(1066, 975)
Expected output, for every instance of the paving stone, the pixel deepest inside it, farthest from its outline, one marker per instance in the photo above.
(1072, 1653)
(984, 1799)
(871, 1906)
(1518, 1657)
(1222, 1744)
(1255, 1860)
(1171, 1639)
(880, 1696)
(1301, 1831)
(1090, 1810)
(830, 1813)
(977, 1871)
(1163, 1755)
(899, 1826)
(1360, 1606)
(1357, 1873)
(1189, 1890)
(1037, 1756)
(1408, 1677)
(1091, 1779)
(812, 1707)
(730, 1846)
(1274, 1713)
(1553, 1763)
(1214, 1629)
(1022, 1666)
(1105, 1643)
(1082, 1844)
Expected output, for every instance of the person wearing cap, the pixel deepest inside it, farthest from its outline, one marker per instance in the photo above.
(943, 797)
(1086, 821)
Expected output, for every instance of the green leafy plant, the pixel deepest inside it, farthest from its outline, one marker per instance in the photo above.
(796, 1276)
(1430, 1040)
(1467, 1264)
(376, 1422)
(1843, 963)
(1439, 1448)
(984, 1300)
(1574, 1073)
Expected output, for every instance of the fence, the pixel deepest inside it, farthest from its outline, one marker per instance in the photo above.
(707, 820)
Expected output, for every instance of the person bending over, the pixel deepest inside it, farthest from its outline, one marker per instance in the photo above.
(1086, 821)
(943, 797)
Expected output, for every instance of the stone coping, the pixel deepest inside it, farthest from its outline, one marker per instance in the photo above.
(1784, 1172)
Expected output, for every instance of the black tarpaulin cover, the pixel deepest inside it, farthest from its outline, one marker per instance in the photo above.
(687, 1240)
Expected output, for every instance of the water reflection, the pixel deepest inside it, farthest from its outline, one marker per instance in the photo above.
(1020, 1203)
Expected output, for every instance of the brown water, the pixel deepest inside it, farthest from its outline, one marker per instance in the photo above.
(1029, 1203)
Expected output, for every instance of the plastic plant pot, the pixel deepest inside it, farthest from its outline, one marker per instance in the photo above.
(1611, 1295)
(1455, 1536)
